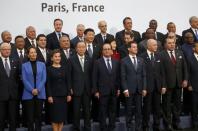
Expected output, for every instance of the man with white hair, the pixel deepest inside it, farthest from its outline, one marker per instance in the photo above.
(193, 29)
(103, 35)
(30, 40)
(9, 90)
(155, 85)
(80, 35)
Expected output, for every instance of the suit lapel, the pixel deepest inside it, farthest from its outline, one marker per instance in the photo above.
(104, 65)
(2, 67)
(130, 63)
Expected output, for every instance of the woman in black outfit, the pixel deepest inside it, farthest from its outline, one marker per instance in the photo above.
(58, 91)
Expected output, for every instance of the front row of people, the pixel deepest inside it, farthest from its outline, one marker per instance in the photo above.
(148, 76)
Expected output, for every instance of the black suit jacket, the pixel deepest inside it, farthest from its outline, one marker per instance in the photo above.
(120, 37)
(27, 43)
(160, 36)
(96, 52)
(99, 39)
(64, 59)
(191, 31)
(123, 50)
(104, 82)
(133, 80)
(9, 85)
(80, 81)
(193, 72)
(154, 72)
(41, 58)
(174, 74)
(52, 41)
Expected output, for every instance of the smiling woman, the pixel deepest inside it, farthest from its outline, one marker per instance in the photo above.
(87, 8)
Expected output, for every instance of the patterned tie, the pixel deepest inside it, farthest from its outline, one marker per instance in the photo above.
(59, 35)
(173, 58)
(108, 65)
(7, 67)
(21, 56)
(135, 63)
(33, 44)
(90, 51)
(82, 63)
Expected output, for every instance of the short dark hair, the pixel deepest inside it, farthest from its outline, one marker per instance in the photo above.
(58, 19)
(88, 30)
(169, 23)
(130, 34)
(126, 18)
(129, 44)
(109, 40)
(17, 37)
(54, 52)
(29, 48)
(106, 44)
(39, 36)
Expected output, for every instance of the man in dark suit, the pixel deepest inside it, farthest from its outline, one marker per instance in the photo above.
(30, 40)
(80, 67)
(9, 76)
(123, 49)
(133, 81)
(193, 84)
(176, 76)
(158, 35)
(80, 35)
(171, 27)
(127, 22)
(94, 52)
(106, 83)
(65, 49)
(7, 37)
(193, 29)
(103, 35)
(155, 86)
(43, 54)
(20, 54)
(54, 37)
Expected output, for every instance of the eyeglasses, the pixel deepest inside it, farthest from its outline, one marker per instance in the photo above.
(107, 49)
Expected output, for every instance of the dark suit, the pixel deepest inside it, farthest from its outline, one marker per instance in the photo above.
(80, 84)
(64, 59)
(98, 38)
(191, 31)
(155, 81)
(40, 56)
(53, 41)
(133, 80)
(193, 81)
(74, 41)
(9, 94)
(123, 50)
(159, 36)
(107, 84)
(27, 43)
(120, 37)
(174, 76)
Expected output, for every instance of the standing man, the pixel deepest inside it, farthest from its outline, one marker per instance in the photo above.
(193, 29)
(80, 67)
(9, 76)
(80, 35)
(103, 35)
(133, 80)
(30, 40)
(176, 75)
(155, 85)
(7, 38)
(127, 22)
(54, 37)
(106, 84)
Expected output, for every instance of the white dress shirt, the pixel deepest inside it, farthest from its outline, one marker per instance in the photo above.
(8, 61)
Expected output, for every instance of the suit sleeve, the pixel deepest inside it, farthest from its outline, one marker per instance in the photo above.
(68, 81)
(48, 89)
(69, 75)
(118, 40)
(123, 76)
(162, 73)
(144, 75)
(185, 68)
(118, 77)
(27, 84)
(43, 78)
(95, 77)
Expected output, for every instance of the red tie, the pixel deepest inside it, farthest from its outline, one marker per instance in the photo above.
(173, 58)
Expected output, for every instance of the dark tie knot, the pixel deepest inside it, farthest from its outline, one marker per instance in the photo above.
(6, 59)
(20, 51)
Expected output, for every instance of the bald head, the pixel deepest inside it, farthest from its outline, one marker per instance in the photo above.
(102, 25)
(152, 45)
(5, 49)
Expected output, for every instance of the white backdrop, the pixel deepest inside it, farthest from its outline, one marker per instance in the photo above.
(16, 15)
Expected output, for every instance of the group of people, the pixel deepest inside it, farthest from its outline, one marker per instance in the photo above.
(90, 76)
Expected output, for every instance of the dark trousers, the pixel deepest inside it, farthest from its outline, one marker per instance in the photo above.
(134, 99)
(107, 105)
(194, 108)
(172, 106)
(187, 103)
(151, 105)
(8, 108)
(83, 101)
(94, 108)
(33, 111)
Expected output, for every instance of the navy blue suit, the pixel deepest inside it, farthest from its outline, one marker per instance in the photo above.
(74, 41)
(98, 38)
(133, 80)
